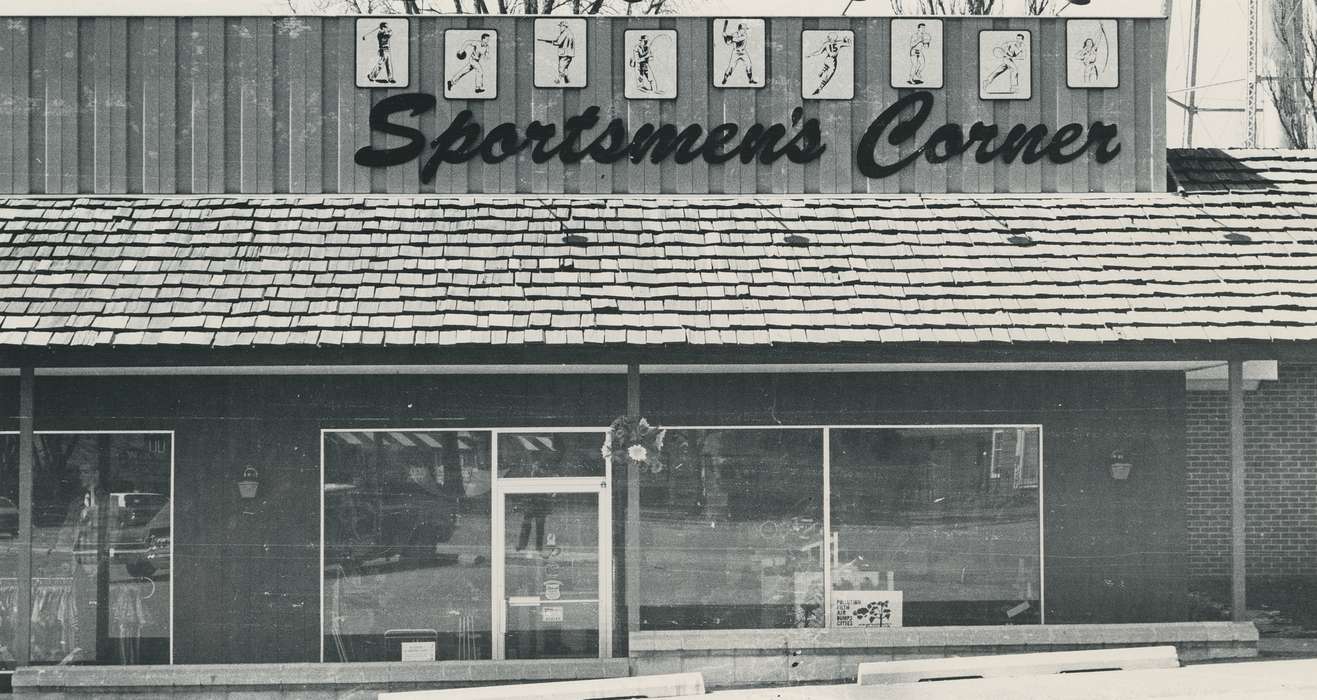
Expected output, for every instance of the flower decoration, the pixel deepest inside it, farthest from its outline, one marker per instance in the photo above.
(633, 440)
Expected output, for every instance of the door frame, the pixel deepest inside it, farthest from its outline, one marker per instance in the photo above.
(501, 487)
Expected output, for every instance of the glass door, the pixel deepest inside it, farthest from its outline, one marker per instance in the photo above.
(552, 521)
(552, 579)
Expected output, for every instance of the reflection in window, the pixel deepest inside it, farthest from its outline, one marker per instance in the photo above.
(8, 549)
(947, 516)
(552, 577)
(731, 530)
(544, 455)
(407, 545)
(100, 548)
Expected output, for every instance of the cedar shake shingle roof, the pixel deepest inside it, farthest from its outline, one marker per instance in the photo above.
(1235, 258)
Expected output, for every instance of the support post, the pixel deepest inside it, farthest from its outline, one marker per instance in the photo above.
(27, 458)
(1238, 605)
(632, 551)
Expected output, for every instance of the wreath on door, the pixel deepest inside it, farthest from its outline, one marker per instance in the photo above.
(632, 440)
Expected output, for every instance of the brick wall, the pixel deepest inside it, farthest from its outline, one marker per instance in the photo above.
(1281, 455)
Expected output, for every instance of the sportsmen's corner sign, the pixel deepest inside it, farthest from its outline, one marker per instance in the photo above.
(865, 99)
(904, 123)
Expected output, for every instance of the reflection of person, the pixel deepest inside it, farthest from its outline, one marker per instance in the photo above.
(920, 41)
(1008, 56)
(533, 515)
(739, 41)
(385, 61)
(829, 50)
(473, 52)
(1088, 57)
(566, 45)
(641, 56)
(88, 525)
(128, 611)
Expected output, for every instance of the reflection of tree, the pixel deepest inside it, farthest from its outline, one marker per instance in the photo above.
(55, 473)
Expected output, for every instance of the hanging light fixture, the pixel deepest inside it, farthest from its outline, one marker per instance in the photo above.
(249, 482)
(1120, 467)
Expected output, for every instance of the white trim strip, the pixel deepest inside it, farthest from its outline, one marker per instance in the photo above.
(852, 368)
(614, 369)
(322, 370)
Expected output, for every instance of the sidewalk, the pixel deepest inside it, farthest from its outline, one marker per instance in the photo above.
(1272, 680)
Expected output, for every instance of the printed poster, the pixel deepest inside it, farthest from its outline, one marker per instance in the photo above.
(470, 64)
(382, 47)
(651, 64)
(738, 53)
(1005, 65)
(560, 53)
(1092, 53)
(917, 53)
(827, 64)
(866, 609)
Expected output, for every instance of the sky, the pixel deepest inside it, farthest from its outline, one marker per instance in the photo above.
(1221, 63)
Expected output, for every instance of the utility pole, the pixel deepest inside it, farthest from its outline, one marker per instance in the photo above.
(1251, 78)
(1191, 104)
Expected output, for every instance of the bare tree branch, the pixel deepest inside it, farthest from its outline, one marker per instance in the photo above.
(1293, 81)
(481, 7)
(967, 7)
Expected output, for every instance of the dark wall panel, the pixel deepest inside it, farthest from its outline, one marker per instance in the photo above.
(1115, 551)
(246, 572)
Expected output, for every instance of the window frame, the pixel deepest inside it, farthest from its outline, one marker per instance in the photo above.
(536, 483)
(826, 460)
(497, 487)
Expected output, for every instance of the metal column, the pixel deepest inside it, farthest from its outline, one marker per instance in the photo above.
(1238, 606)
(631, 548)
(27, 457)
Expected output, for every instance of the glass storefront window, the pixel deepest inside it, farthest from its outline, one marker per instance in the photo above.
(407, 545)
(9, 549)
(732, 530)
(101, 548)
(947, 516)
(550, 454)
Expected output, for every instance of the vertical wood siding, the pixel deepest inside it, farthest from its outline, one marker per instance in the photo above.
(256, 105)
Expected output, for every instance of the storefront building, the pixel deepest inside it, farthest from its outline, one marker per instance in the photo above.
(471, 343)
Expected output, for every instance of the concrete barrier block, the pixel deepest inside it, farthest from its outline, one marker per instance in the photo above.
(1017, 665)
(734, 639)
(971, 636)
(655, 664)
(810, 667)
(660, 641)
(914, 653)
(681, 684)
(759, 669)
(718, 669)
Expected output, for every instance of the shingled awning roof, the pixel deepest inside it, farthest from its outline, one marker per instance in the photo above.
(1233, 257)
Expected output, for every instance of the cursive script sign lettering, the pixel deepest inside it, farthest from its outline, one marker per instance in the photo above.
(1029, 144)
(465, 139)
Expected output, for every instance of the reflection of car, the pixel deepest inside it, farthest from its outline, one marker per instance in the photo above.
(129, 518)
(156, 558)
(8, 517)
(129, 515)
(363, 523)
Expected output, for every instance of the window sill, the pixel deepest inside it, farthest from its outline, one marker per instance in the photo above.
(391, 675)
